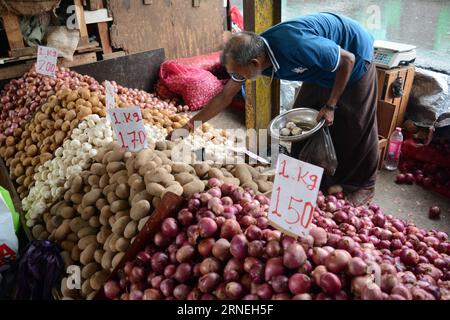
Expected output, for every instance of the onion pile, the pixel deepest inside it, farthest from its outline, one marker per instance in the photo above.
(221, 247)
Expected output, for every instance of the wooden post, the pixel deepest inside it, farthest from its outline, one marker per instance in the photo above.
(103, 30)
(79, 11)
(11, 25)
(262, 102)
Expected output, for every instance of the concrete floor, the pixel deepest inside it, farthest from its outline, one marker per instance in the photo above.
(408, 202)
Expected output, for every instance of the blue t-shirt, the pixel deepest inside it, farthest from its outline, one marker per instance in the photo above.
(307, 48)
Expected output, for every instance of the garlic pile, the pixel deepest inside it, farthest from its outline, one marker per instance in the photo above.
(74, 156)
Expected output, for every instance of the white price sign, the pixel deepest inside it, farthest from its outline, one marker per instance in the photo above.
(128, 125)
(110, 95)
(294, 195)
(47, 59)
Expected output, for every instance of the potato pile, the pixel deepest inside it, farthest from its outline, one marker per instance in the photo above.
(31, 147)
(164, 119)
(74, 156)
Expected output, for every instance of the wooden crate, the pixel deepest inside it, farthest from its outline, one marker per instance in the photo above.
(386, 78)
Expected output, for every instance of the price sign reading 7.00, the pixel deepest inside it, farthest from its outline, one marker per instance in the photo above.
(294, 195)
(129, 128)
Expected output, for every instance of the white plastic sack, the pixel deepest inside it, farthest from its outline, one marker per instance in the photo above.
(9, 243)
(288, 94)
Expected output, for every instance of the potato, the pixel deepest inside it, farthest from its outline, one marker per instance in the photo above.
(184, 178)
(105, 214)
(75, 254)
(158, 175)
(88, 212)
(86, 231)
(130, 230)
(98, 279)
(117, 258)
(68, 261)
(243, 174)
(67, 245)
(120, 224)
(251, 185)
(264, 186)
(234, 181)
(100, 203)
(181, 167)
(116, 155)
(112, 242)
(94, 180)
(98, 255)
(104, 181)
(192, 187)
(37, 230)
(87, 255)
(91, 197)
(115, 166)
(98, 169)
(119, 205)
(174, 188)
(143, 195)
(140, 209)
(63, 230)
(84, 242)
(76, 184)
(107, 260)
(122, 244)
(155, 189)
(155, 202)
(102, 236)
(215, 173)
(94, 222)
(142, 223)
(88, 270)
(72, 237)
(115, 177)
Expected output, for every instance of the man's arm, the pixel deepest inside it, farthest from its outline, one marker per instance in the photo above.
(218, 103)
(343, 73)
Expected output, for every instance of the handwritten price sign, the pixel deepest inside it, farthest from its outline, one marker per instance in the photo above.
(128, 126)
(46, 61)
(294, 195)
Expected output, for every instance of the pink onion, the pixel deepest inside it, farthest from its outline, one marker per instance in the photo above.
(294, 256)
(330, 283)
(111, 289)
(299, 283)
(274, 267)
(221, 249)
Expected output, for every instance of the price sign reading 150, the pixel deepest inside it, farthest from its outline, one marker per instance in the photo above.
(294, 195)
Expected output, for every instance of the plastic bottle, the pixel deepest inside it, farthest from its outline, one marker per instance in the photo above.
(393, 151)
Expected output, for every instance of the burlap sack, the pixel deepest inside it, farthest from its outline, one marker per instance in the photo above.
(27, 7)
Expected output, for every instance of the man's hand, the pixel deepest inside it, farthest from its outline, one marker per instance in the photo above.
(327, 114)
(188, 126)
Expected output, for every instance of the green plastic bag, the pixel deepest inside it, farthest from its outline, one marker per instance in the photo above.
(8, 200)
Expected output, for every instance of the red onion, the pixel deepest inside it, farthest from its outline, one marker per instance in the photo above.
(111, 289)
(274, 267)
(209, 265)
(159, 261)
(239, 246)
(161, 240)
(319, 235)
(388, 282)
(337, 261)
(207, 227)
(169, 227)
(294, 256)
(409, 257)
(317, 273)
(356, 267)
(143, 258)
(330, 283)
(183, 272)
(181, 291)
(229, 229)
(152, 294)
(371, 292)
(264, 291)
(185, 253)
(136, 295)
(137, 274)
(209, 282)
(155, 281)
(234, 290)
(280, 283)
(434, 212)
(205, 247)
(255, 248)
(299, 283)
(319, 255)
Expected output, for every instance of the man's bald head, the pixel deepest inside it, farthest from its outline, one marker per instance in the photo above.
(243, 47)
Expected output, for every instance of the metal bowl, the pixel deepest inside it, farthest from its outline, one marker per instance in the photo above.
(302, 117)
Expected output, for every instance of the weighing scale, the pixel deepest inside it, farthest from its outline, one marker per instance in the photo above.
(388, 55)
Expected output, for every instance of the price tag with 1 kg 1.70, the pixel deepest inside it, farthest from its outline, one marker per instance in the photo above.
(294, 196)
(128, 125)
(47, 59)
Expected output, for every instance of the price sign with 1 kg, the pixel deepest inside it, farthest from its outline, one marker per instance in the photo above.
(47, 59)
(294, 196)
(128, 125)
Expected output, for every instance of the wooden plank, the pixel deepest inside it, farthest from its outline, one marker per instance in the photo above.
(79, 11)
(380, 74)
(103, 29)
(15, 71)
(262, 104)
(87, 46)
(139, 70)
(138, 27)
(408, 82)
(11, 25)
(97, 16)
(79, 59)
(386, 118)
(113, 55)
(27, 51)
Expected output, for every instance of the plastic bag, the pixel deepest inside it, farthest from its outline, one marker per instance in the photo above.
(9, 243)
(319, 150)
(196, 86)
